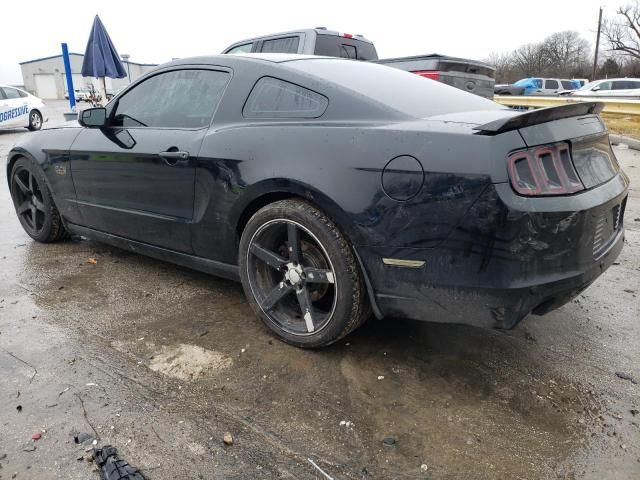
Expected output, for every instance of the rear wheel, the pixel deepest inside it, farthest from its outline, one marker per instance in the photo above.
(33, 202)
(35, 120)
(300, 274)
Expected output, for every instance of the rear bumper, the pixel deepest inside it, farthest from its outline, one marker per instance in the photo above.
(503, 262)
(489, 307)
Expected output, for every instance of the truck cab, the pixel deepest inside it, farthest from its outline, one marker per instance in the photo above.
(314, 41)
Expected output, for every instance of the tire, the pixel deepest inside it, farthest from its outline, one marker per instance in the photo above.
(34, 204)
(35, 120)
(300, 275)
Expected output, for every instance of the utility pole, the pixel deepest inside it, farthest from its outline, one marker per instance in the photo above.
(595, 57)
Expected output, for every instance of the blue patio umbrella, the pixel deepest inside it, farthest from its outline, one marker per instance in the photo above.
(100, 57)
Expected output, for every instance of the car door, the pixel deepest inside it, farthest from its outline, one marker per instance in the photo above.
(534, 87)
(135, 177)
(14, 108)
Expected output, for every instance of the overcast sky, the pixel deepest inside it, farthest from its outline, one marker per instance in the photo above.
(155, 32)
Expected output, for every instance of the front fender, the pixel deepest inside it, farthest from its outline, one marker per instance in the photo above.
(53, 162)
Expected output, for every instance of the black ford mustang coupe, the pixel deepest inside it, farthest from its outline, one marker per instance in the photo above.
(333, 189)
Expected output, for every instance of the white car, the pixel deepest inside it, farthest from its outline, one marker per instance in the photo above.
(612, 87)
(20, 109)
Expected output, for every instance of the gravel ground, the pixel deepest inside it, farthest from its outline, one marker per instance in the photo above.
(162, 362)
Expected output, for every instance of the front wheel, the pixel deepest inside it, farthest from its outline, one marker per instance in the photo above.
(35, 120)
(34, 204)
(300, 275)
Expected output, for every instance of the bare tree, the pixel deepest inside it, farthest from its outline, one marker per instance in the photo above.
(622, 34)
(530, 59)
(565, 52)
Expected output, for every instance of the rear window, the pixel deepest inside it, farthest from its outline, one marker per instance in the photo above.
(395, 89)
(336, 46)
(281, 45)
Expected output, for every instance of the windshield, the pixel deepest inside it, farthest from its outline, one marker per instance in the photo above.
(401, 91)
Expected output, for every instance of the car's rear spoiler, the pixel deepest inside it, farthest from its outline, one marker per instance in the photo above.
(542, 115)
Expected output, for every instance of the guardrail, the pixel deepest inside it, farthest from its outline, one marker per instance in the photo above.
(611, 105)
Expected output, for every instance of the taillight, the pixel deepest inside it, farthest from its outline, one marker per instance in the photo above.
(546, 170)
(432, 74)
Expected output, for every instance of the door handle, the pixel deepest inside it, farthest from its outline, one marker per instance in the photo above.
(172, 157)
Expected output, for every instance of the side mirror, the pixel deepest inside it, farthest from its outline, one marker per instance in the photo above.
(93, 117)
(595, 89)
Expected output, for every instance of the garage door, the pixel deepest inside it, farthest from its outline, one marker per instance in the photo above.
(46, 86)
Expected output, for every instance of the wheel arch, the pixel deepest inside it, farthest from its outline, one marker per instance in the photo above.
(18, 153)
(268, 192)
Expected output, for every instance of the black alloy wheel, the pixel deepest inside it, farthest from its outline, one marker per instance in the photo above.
(300, 274)
(27, 197)
(291, 277)
(34, 204)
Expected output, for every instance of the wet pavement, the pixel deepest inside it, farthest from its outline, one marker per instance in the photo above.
(161, 362)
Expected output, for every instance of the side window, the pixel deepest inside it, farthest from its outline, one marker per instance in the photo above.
(605, 86)
(634, 84)
(10, 93)
(281, 45)
(538, 82)
(348, 51)
(22, 94)
(622, 85)
(551, 84)
(176, 99)
(246, 48)
(567, 85)
(274, 98)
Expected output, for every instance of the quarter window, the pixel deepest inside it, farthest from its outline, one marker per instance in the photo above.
(176, 99)
(281, 45)
(274, 98)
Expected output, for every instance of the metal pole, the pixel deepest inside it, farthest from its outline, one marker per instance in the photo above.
(67, 71)
(595, 58)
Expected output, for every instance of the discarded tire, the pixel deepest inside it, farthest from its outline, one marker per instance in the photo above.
(114, 468)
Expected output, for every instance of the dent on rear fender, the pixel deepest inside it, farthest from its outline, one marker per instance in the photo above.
(425, 220)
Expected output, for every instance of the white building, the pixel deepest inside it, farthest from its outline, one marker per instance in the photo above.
(45, 77)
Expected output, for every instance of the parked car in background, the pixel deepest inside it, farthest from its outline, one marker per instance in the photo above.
(21, 109)
(545, 86)
(468, 75)
(507, 89)
(613, 87)
(81, 95)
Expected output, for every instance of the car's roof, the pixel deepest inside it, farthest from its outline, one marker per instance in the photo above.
(266, 57)
(616, 79)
